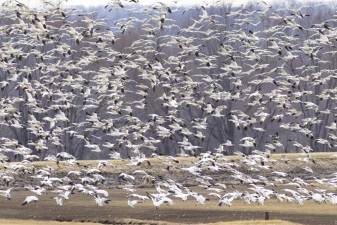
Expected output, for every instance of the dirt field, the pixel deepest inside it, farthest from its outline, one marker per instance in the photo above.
(40, 222)
(82, 208)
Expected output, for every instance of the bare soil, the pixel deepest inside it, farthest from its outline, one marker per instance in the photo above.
(83, 209)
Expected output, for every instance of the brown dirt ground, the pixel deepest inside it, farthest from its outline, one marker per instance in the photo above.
(130, 222)
(83, 209)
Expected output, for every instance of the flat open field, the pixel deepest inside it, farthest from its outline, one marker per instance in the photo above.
(82, 208)
(39, 222)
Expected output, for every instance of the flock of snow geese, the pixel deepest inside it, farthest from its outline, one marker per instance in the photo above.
(248, 80)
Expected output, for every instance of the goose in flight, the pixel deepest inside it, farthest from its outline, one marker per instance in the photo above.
(6, 193)
(159, 199)
(132, 203)
(59, 200)
(30, 199)
(101, 201)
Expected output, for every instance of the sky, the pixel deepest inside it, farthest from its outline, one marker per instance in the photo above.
(34, 3)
